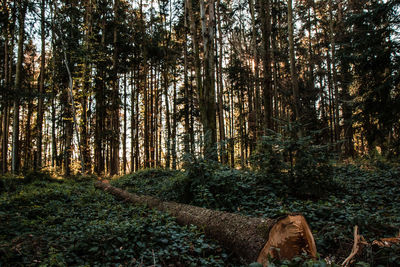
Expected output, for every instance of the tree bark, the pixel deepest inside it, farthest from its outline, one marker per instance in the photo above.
(220, 92)
(265, 13)
(250, 238)
(293, 71)
(174, 125)
(115, 99)
(124, 135)
(207, 94)
(54, 161)
(6, 109)
(15, 160)
(86, 89)
(133, 78)
(101, 114)
(167, 119)
(39, 122)
(186, 138)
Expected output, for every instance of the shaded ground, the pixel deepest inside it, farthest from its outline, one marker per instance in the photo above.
(367, 197)
(69, 223)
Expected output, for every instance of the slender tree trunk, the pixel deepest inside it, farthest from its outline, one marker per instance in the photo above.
(293, 71)
(124, 135)
(6, 109)
(39, 121)
(334, 71)
(86, 89)
(5, 131)
(186, 138)
(195, 41)
(332, 113)
(167, 120)
(265, 13)
(220, 93)
(99, 142)
(133, 78)
(151, 118)
(115, 123)
(255, 116)
(137, 152)
(232, 125)
(174, 125)
(207, 94)
(28, 135)
(274, 64)
(54, 156)
(15, 164)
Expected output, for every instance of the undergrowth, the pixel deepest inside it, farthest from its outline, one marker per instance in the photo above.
(367, 197)
(66, 222)
(70, 223)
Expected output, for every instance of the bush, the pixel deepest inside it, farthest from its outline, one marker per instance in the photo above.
(299, 164)
(210, 185)
(10, 183)
(32, 176)
(73, 224)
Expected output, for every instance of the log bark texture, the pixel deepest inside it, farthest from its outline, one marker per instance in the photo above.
(245, 236)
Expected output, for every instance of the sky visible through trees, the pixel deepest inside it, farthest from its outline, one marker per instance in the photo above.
(111, 87)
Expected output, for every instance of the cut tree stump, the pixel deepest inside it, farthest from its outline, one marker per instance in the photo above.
(252, 239)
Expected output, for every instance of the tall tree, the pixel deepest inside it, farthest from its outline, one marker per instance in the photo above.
(293, 70)
(15, 165)
(207, 102)
(115, 97)
(39, 120)
(265, 14)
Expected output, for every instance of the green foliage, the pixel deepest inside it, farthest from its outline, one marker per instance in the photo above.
(9, 183)
(68, 222)
(301, 166)
(32, 176)
(368, 198)
(71, 223)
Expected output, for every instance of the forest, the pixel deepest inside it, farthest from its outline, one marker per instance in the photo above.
(199, 133)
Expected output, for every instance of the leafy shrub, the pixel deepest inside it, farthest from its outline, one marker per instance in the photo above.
(368, 197)
(37, 176)
(160, 182)
(302, 167)
(73, 224)
(214, 186)
(10, 183)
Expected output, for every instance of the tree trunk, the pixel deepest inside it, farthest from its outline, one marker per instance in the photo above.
(250, 238)
(207, 94)
(256, 114)
(167, 119)
(86, 90)
(100, 126)
(15, 164)
(220, 93)
(334, 71)
(115, 100)
(186, 138)
(265, 12)
(28, 131)
(293, 71)
(54, 157)
(39, 122)
(124, 135)
(6, 109)
(137, 91)
(174, 125)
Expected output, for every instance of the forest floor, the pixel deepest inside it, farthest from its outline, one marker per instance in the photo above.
(68, 222)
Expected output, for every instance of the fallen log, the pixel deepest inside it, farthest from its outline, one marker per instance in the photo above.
(252, 239)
